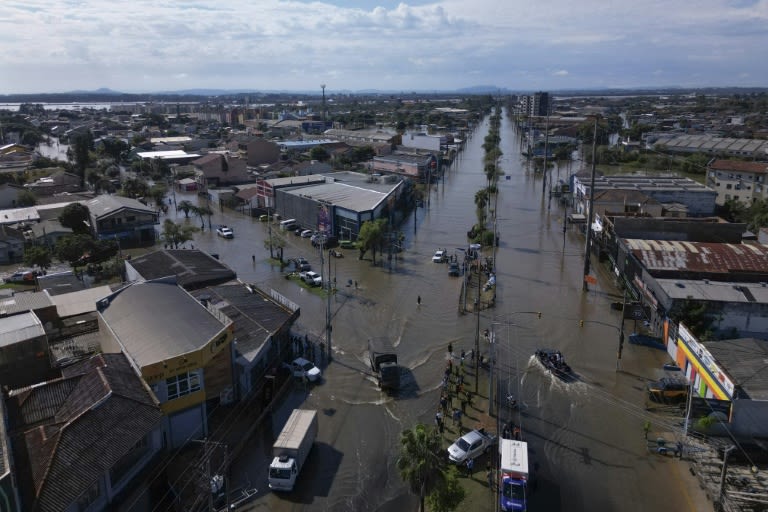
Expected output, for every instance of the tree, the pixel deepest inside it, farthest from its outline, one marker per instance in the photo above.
(26, 198)
(420, 463)
(449, 495)
(319, 153)
(202, 211)
(695, 316)
(80, 153)
(370, 237)
(37, 255)
(177, 234)
(186, 207)
(76, 217)
(275, 241)
(157, 192)
(135, 188)
(71, 248)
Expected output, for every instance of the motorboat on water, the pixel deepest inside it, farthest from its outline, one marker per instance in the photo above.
(554, 361)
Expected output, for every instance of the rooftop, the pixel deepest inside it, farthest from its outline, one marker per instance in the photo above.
(78, 427)
(192, 268)
(715, 291)
(706, 257)
(350, 197)
(745, 360)
(158, 320)
(20, 327)
(256, 317)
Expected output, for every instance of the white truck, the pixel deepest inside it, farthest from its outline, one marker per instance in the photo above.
(291, 449)
(516, 480)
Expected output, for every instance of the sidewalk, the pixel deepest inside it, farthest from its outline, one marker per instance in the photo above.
(479, 496)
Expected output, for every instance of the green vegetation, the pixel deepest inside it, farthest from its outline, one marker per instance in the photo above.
(423, 466)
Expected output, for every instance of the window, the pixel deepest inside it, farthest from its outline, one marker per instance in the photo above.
(132, 218)
(729, 186)
(182, 384)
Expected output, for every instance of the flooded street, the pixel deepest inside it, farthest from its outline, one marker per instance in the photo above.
(586, 437)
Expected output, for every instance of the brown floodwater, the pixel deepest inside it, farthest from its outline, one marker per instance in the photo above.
(586, 437)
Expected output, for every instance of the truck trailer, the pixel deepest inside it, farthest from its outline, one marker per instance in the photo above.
(384, 363)
(291, 449)
(515, 480)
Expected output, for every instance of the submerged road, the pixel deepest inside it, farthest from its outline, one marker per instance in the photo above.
(586, 437)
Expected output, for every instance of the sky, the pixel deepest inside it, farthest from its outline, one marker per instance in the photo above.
(354, 45)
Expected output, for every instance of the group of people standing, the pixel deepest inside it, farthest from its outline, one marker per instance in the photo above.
(454, 398)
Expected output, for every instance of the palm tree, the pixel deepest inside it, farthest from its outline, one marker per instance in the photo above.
(186, 207)
(421, 463)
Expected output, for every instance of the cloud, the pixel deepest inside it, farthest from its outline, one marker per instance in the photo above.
(385, 44)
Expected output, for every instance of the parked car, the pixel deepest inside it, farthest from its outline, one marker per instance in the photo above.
(302, 264)
(23, 276)
(668, 390)
(307, 233)
(453, 269)
(439, 257)
(311, 278)
(470, 445)
(302, 368)
(225, 232)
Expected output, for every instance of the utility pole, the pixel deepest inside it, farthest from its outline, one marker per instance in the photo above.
(544, 171)
(323, 88)
(477, 329)
(585, 285)
(328, 316)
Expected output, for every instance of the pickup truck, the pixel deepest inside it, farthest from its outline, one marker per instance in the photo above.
(470, 445)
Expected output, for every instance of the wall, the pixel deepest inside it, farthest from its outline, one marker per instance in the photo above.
(750, 419)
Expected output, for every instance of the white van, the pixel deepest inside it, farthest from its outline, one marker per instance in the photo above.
(287, 225)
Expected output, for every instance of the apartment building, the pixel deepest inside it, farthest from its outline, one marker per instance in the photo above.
(741, 181)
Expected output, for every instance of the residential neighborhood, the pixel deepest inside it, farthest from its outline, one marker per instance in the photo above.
(136, 331)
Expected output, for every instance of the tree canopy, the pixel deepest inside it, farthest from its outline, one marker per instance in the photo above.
(421, 463)
(177, 234)
(76, 216)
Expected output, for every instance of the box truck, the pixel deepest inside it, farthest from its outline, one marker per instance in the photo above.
(516, 481)
(291, 449)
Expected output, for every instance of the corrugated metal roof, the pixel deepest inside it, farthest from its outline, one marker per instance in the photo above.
(745, 360)
(158, 320)
(79, 302)
(255, 316)
(716, 291)
(106, 204)
(700, 256)
(25, 301)
(21, 327)
(350, 197)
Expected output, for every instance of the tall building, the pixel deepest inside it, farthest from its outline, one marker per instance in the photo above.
(537, 104)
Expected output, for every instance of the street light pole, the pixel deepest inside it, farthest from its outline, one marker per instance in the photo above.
(585, 285)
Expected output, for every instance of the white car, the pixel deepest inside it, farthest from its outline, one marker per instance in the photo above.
(301, 367)
(311, 277)
(439, 257)
(225, 232)
(470, 445)
(307, 233)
